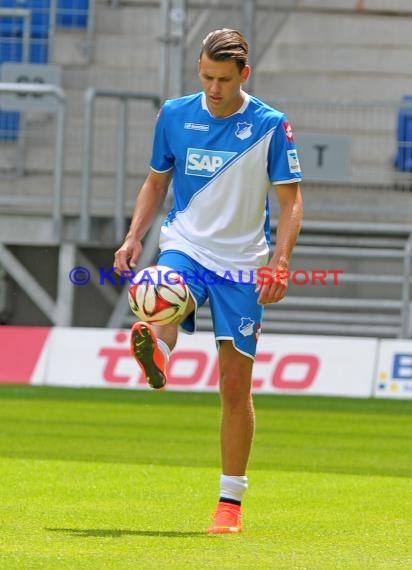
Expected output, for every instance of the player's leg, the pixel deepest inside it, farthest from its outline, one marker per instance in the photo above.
(236, 434)
(237, 319)
(151, 344)
(238, 417)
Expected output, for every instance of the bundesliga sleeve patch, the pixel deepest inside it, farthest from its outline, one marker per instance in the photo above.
(293, 161)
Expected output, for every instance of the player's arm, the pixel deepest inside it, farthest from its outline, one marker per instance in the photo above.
(148, 203)
(290, 219)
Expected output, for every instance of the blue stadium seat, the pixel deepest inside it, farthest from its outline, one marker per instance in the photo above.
(11, 31)
(11, 50)
(9, 125)
(40, 15)
(403, 159)
(72, 13)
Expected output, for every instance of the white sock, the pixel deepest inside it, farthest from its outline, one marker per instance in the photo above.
(164, 348)
(233, 487)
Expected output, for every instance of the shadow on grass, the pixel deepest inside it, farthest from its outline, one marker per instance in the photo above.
(117, 532)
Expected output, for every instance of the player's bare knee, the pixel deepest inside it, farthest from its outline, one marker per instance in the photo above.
(235, 389)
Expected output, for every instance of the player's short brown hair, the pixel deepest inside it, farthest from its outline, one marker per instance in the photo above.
(225, 44)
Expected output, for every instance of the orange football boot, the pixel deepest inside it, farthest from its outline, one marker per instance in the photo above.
(148, 355)
(226, 519)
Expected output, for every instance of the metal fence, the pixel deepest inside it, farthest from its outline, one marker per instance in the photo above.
(358, 144)
(352, 143)
(36, 98)
(343, 148)
(346, 279)
(123, 100)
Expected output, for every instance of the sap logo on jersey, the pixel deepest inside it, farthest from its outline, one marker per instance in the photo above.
(202, 162)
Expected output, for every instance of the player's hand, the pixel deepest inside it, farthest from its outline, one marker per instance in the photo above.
(125, 258)
(273, 286)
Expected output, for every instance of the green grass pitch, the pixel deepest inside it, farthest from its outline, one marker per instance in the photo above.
(111, 479)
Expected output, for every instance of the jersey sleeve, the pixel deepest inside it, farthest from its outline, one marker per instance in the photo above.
(283, 160)
(162, 156)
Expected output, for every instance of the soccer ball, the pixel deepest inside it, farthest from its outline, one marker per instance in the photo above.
(158, 295)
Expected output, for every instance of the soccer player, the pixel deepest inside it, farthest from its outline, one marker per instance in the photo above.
(224, 150)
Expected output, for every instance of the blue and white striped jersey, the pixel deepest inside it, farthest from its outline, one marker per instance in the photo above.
(223, 169)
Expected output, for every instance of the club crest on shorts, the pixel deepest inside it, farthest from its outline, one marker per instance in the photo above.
(246, 327)
(244, 131)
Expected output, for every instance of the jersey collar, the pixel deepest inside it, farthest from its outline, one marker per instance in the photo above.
(238, 112)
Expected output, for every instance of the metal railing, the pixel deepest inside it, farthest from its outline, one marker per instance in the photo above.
(383, 313)
(372, 296)
(25, 16)
(352, 142)
(16, 104)
(122, 130)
